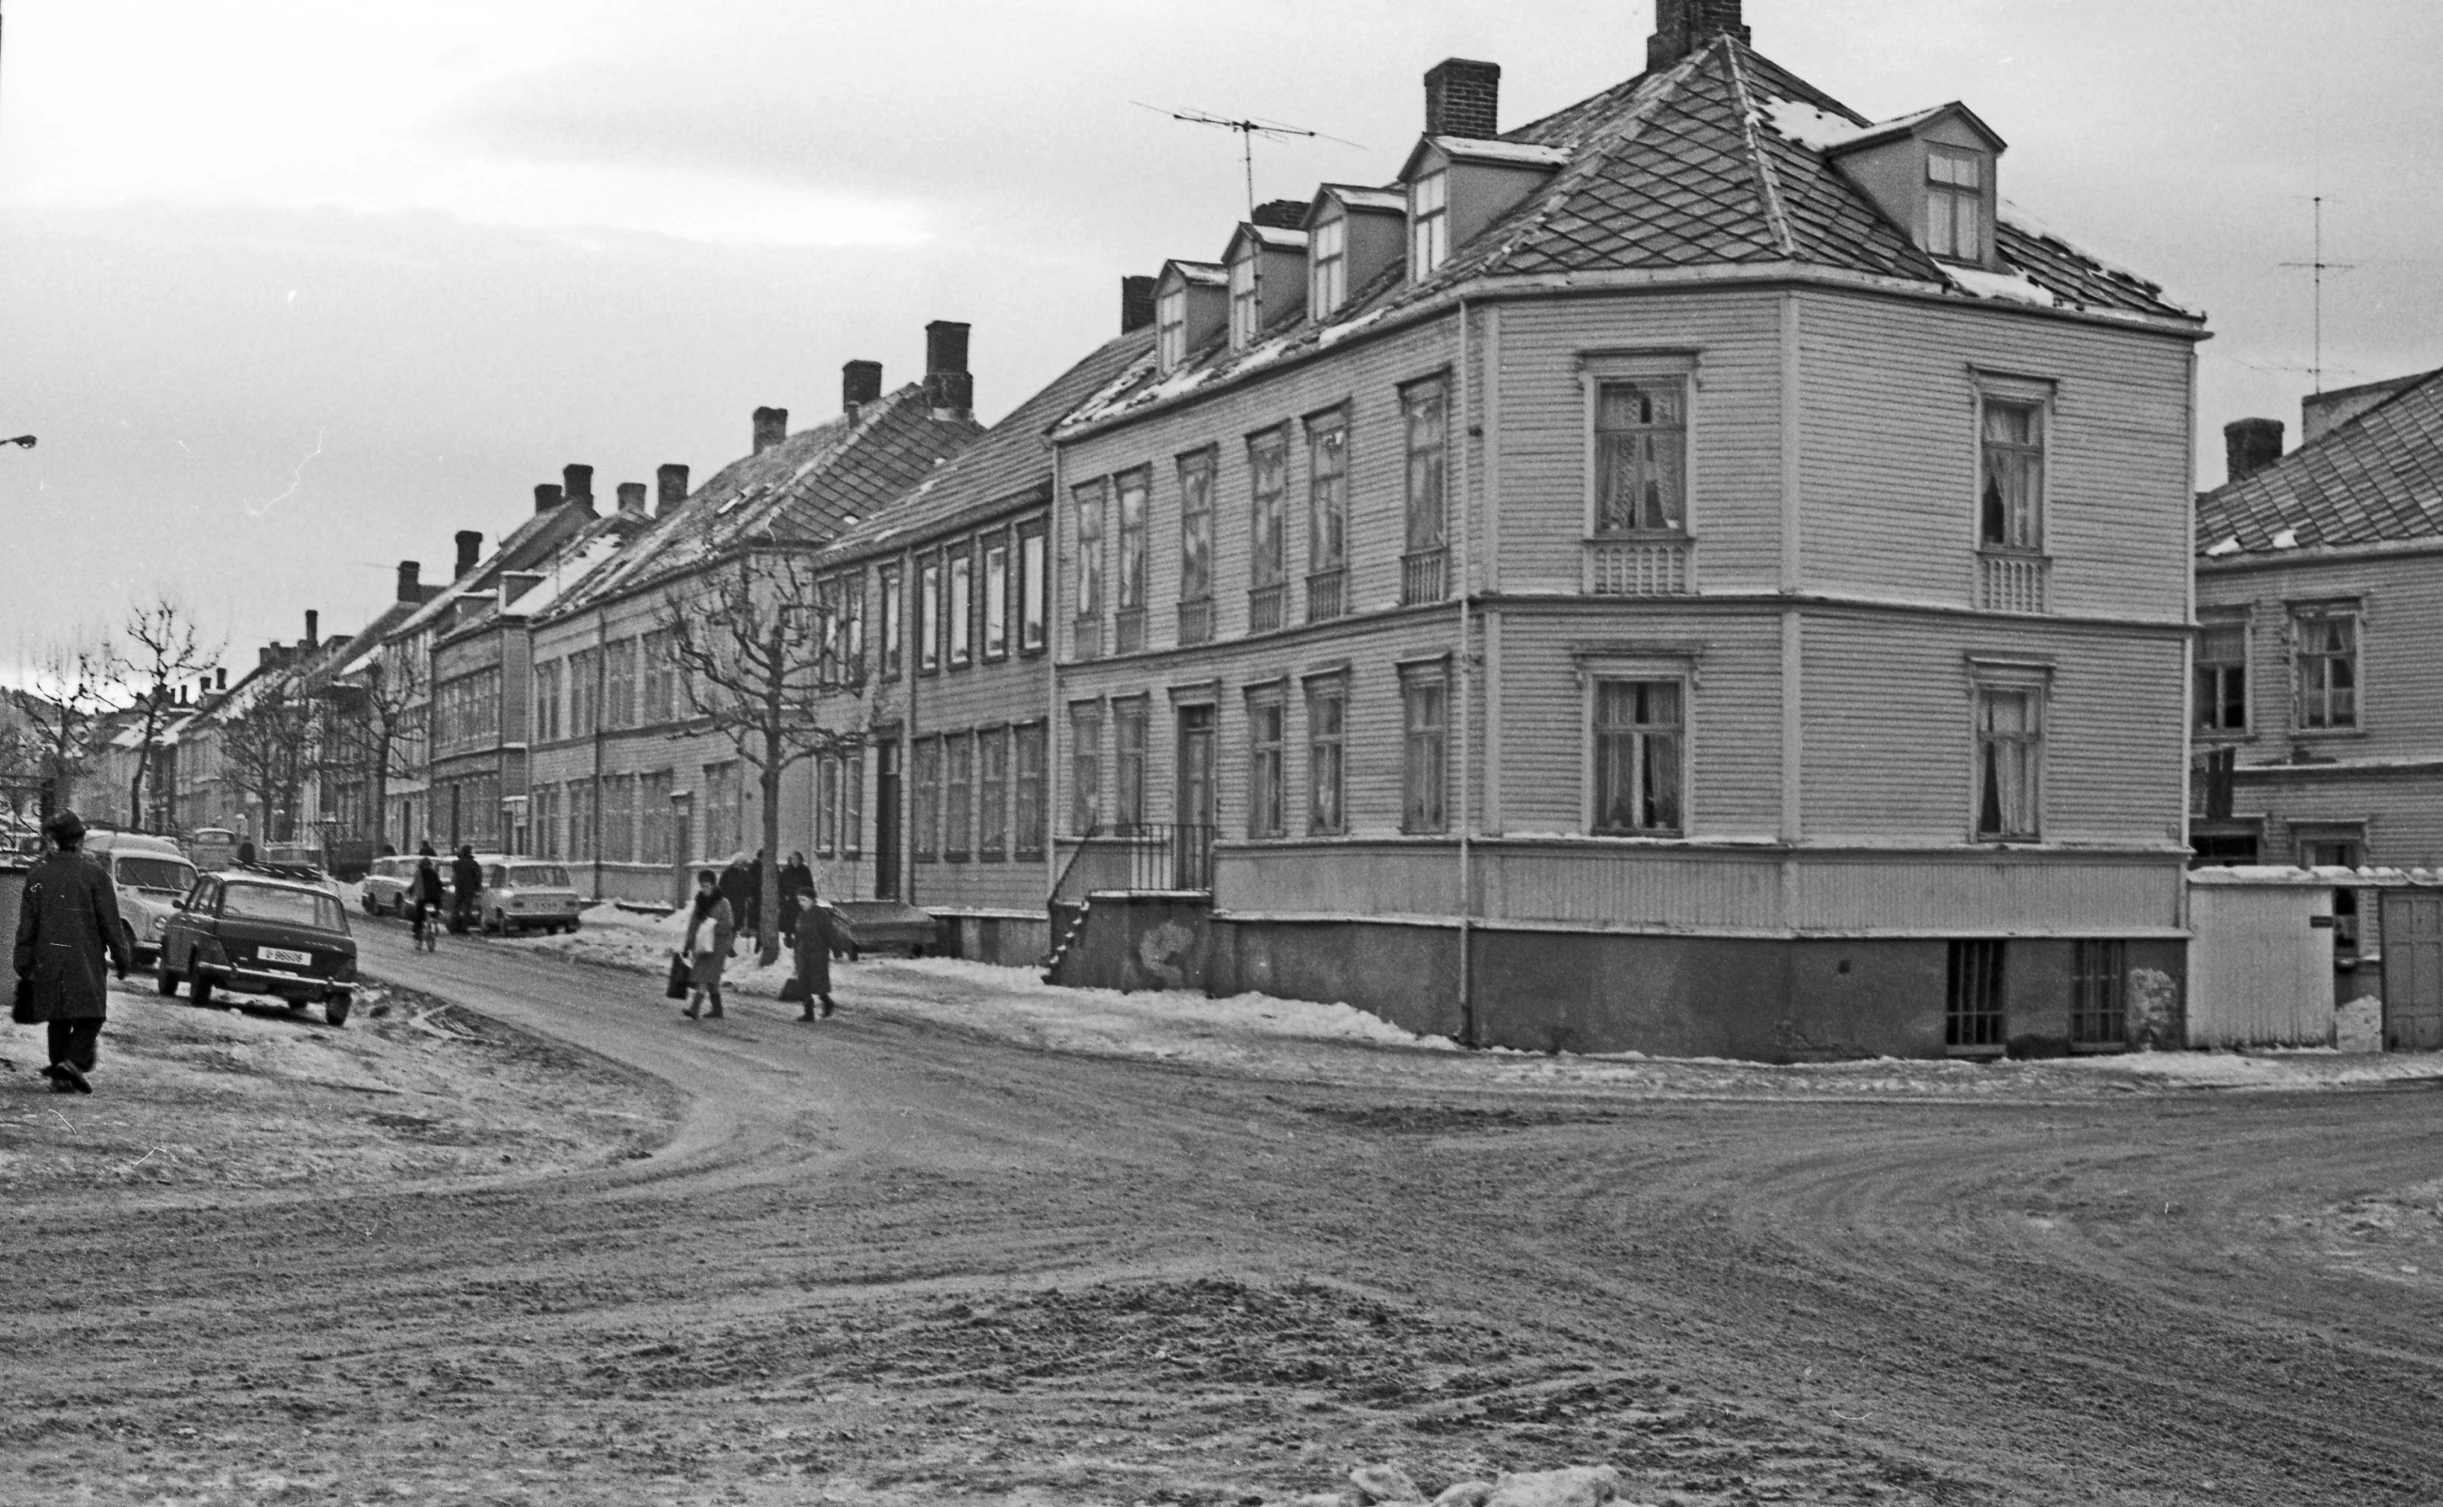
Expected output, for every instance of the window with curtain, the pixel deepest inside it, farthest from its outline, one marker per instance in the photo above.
(2011, 506)
(2009, 762)
(1641, 447)
(1638, 738)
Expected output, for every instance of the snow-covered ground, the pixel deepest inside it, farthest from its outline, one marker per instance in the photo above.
(1260, 1033)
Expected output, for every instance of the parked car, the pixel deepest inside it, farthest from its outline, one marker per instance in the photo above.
(151, 875)
(212, 848)
(386, 885)
(257, 933)
(862, 926)
(522, 894)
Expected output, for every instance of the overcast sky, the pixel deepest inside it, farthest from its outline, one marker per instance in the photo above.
(294, 290)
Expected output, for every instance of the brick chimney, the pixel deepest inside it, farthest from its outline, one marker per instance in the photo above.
(220, 677)
(577, 484)
(410, 588)
(2250, 445)
(771, 427)
(672, 478)
(547, 495)
(632, 497)
(470, 549)
(1462, 98)
(949, 387)
(1683, 26)
(860, 384)
(313, 628)
(1136, 303)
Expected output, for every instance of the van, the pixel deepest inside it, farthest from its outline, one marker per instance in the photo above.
(151, 876)
(212, 849)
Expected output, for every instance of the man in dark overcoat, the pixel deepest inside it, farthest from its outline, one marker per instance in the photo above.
(738, 886)
(466, 889)
(813, 943)
(68, 927)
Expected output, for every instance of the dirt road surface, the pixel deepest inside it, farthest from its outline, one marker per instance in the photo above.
(884, 1261)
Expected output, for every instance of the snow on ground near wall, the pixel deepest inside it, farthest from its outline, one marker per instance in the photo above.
(1260, 1033)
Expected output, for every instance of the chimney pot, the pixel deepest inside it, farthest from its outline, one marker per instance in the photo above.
(2250, 445)
(771, 427)
(1683, 26)
(220, 677)
(1136, 303)
(632, 497)
(547, 495)
(313, 628)
(672, 478)
(470, 549)
(411, 589)
(577, 484)
(1462, 98)
(860, 384)
(949, 388)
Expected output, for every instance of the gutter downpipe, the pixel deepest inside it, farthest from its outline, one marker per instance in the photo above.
(1051, 655)
(1465, 703)
(593, 798)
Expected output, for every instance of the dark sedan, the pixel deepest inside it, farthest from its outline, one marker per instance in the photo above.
(254, 933)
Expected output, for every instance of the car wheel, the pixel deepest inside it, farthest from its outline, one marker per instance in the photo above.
(366, 900)
(199, 989)
(335, 1009)
(498, 926)
(163, 979)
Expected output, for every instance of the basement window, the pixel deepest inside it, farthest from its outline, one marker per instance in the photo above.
(1974, 1020)
(2099, 1014)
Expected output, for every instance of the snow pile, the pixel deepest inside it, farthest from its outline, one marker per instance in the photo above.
(1810, 127)
(1390, 1486)
(2009, 287)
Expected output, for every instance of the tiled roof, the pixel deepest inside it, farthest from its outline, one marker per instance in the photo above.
(803, 490)
(530, 541)
(2376, 479)
(1011, 464)
(1693, 168)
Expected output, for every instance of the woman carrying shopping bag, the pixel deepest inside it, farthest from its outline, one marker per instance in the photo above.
(711, 927)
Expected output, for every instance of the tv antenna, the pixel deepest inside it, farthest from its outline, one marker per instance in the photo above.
(1248, 130)
(2319, 266)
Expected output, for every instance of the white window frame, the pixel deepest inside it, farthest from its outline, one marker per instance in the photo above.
(1328, 266)
(1429, 224)
(2300, 613)
(1680, 662)
(2011, 676)
(2039, 393)
(1598, 369)
(1944, 197)
(2242, 619)
(1171, 327)
(1246, 296)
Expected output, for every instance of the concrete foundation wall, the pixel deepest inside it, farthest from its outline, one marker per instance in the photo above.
(1011, 941)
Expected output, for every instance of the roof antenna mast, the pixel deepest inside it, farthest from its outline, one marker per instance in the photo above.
(1248, 131)
(2319, 266)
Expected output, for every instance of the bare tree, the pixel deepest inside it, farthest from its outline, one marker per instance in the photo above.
(755, 644)
(370, 718)
(270, 749)
(69, 693)
(162, 650)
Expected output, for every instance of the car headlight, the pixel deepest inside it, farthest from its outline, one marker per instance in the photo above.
(160, 925)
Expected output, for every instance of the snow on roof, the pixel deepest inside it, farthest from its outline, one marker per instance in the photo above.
(2286, 538)
(1514, 153)
(2229, 546)
(1811, 126)
(1206, 274)
(1368, 198)
(566, 570)
(1273, 237)
(2009, 287)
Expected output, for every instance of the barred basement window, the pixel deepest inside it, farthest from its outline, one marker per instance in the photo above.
(2099, 973)
(1973, 1016)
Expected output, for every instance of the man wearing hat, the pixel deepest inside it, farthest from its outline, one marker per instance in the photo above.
(67, 924)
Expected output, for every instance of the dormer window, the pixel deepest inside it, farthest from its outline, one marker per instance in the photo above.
(1955, 204)
(1328, 274)
(1429, 224)
(1246, 314)
(1171, 328)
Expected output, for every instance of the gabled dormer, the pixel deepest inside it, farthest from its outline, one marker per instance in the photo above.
(1191, 301)
(1267, 267)
(1352, 235)
(1933, 174)
(1458, 186)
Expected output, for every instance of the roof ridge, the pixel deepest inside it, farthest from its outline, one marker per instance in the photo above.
(1768, 182)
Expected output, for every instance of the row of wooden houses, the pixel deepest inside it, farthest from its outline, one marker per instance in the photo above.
(1690, 573)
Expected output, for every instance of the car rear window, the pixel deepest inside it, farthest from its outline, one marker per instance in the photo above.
(156, 874)
(262, 902)
(540, 875)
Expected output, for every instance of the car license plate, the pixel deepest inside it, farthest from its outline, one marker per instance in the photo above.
(284, 955)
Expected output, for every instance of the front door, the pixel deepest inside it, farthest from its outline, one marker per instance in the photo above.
(886, 819)
(2413, 970)
(1192, 838)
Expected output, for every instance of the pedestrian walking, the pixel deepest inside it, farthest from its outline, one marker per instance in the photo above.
(813, 944)
(245, 852)
(68, 928)
(466, 886)
(711, 926)
(424, 898)
(737, 887)
(796, 883)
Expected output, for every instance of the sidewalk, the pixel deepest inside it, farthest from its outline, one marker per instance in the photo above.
(1301, 1040)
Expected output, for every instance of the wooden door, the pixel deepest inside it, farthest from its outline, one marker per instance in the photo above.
(1192, 837)
(2413, 970)
(886, 819)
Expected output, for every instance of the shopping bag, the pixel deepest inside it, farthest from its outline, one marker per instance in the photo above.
(680, 977)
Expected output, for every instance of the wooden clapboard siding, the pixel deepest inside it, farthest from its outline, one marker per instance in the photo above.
(2400, 651)
(2402, 809)
(1889, 452)
(1890, 743)
(1734, 501)
(1974, 893)
(1734, 711)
